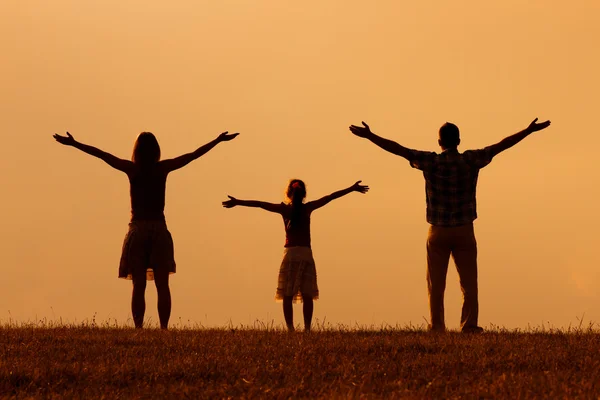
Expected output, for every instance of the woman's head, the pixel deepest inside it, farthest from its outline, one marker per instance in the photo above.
(296, 191)
(146, 149)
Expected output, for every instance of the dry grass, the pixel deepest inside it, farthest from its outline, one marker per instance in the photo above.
(115, 362)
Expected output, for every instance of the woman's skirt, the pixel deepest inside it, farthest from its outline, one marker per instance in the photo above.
(147, 249)
(297, 275)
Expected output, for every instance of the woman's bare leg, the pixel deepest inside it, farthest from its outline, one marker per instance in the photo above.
(164, 298)
(138, 301)
(307, 308)
(288, 312)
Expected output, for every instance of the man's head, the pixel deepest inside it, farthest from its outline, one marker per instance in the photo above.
(449, 136)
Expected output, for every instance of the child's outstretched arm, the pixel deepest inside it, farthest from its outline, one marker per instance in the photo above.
(115, 162)
(357, 187)
(232, 202)
(183, 160)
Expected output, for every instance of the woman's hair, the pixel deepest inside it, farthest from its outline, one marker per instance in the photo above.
(295, 195)
(146, 150)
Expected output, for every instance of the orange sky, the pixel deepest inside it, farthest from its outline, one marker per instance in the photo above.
(291, 77)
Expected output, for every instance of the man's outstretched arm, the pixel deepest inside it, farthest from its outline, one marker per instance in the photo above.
(510, 141)
(386, 144)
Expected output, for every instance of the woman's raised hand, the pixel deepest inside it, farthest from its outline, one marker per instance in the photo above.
(361, 131)
(232, 202)
(68, 140)
(534, 126)
(226, 136)
(357, 187)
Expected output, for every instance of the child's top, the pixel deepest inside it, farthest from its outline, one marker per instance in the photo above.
(297, 232)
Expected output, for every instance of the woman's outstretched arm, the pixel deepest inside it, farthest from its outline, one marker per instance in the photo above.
(272, 207)
(182, 161)
(115, 162)
(357, 187)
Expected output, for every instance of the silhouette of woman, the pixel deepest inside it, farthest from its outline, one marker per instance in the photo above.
(297, 274)
(148, 247)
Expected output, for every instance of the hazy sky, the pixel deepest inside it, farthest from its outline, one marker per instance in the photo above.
(291, 77)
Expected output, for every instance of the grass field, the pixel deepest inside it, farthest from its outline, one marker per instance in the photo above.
(94, 362)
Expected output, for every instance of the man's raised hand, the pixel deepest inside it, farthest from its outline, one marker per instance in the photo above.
(357, 187)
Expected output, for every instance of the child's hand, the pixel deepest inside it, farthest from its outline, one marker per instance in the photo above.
(66, 140)
(357, 187)
(232, 202)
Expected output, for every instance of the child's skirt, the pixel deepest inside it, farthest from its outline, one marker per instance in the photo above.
(148, 247)
(297, 275)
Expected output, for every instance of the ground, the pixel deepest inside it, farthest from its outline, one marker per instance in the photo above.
(115, 362)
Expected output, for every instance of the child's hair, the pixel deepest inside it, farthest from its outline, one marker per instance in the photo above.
(146, 150)
(295, 195)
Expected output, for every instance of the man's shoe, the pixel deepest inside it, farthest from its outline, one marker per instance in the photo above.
(437, 329)
(472, 329)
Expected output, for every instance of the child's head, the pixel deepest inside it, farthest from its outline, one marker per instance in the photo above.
(296, 191)
(146, 149)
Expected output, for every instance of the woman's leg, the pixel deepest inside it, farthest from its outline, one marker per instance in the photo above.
(164, 297)
(138, 301)
(288, 312)
(307, 307)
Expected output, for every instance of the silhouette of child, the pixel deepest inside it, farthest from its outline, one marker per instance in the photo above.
(148, 247)
(297, 274)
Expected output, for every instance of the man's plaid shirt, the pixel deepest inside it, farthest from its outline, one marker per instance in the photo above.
(451, 183)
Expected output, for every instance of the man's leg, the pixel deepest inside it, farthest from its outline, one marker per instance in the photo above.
(465, 258)
(438, 255)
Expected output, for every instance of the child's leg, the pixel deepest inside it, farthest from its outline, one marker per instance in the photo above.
(288, 312)
(161, 279)
(307, 307)
(138, 302)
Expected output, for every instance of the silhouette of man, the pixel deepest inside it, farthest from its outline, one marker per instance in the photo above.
(450, 186)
